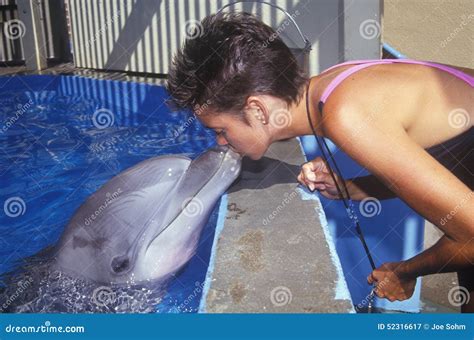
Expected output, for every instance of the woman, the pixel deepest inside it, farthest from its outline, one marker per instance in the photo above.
(409, 124)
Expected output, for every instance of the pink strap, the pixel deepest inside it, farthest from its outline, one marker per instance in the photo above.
(361, 64)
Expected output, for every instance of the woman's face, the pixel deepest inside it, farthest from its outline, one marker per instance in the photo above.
(250, 139)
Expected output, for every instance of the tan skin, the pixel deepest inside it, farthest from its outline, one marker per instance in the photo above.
(405, 109)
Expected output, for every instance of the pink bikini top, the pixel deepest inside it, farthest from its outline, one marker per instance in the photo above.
(361, 64)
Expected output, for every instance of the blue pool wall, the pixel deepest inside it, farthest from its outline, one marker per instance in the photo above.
(123, 95)
(393, 235)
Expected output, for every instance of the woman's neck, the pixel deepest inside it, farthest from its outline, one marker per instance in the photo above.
(300, 125)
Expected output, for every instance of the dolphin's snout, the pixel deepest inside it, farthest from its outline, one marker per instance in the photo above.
(224, 160)
(226, 152)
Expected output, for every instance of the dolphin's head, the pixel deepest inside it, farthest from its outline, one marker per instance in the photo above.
(152, 227)
(205, 180)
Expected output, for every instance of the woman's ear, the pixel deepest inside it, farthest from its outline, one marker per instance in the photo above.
(256, 110)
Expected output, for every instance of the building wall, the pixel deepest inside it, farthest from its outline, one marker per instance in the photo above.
(437, 30)
(142, 36)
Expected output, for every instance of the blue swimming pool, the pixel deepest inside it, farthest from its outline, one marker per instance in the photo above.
(62, 137)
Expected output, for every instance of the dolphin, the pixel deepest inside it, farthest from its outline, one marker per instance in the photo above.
(144, 224)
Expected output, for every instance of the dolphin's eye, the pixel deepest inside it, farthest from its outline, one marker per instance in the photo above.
(120, 264)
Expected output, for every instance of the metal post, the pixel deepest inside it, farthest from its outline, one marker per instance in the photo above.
(34, 43)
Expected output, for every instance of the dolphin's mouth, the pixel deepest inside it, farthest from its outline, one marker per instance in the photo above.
(200, 172)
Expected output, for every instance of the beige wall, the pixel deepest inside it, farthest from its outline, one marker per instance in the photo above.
(437, 30)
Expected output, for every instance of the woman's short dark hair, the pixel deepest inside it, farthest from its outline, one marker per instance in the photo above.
(229, 57)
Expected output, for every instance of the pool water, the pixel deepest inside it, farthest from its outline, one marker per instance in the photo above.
(61, 138)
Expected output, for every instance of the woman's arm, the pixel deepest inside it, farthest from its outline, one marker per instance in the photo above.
(388, 152)
(396, 280)
(368, 186)
(408, 170)
(444, 256)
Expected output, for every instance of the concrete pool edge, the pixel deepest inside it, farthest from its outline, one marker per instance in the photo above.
(342, 290)
(219, 226)
(290, 251)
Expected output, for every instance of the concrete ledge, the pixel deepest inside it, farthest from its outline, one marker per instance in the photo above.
(273, 254)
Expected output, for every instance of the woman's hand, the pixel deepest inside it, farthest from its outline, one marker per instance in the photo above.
(315, 175)
(390, 283)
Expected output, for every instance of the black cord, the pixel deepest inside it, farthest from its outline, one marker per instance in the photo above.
(349, 207)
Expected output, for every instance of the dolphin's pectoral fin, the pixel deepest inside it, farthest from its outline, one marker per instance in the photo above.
(120, 264)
